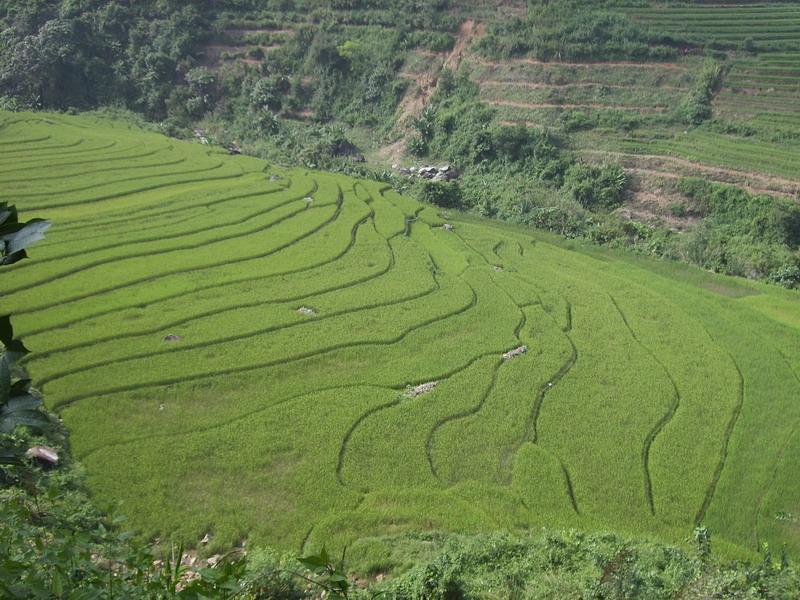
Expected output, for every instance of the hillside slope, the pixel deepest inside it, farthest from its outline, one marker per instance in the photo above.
(668, 90)
(295, 357)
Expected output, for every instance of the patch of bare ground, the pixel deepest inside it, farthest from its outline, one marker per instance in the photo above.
(536, 85)
(419, 93)
(648, 200)
(651, 165)
(417, 96)
(480, 8)
(238, 32)
(586, 65)
(467, 32)
(537, 105)
(393, 153)
(213, 54)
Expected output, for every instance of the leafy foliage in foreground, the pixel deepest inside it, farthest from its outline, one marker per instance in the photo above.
(19, 405)
(573, 565)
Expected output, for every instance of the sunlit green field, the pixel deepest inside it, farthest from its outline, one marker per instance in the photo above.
(652, 397)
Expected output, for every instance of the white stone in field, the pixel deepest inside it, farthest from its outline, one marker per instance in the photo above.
(213, 561)
(515, 352)
(304, 310)
(423, 388)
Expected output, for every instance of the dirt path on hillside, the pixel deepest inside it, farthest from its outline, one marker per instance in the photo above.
(655, 165)
(535, 85)
(256, 30)
(535, 105)
(416, 98)
(586, 65)
(755, 190)
(467, 32)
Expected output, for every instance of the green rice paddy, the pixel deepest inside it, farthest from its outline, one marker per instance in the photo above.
(232, 346)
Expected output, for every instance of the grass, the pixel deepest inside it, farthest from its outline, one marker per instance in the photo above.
(652, 396)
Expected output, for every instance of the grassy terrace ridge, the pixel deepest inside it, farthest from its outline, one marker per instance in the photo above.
(652, 397)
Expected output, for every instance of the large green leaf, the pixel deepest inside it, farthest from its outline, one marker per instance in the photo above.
(7, 338)
(5, 379)
(21, 235)
(8, 214)
(21, 408)
(15, 237)
(9, 457)
(18, 406)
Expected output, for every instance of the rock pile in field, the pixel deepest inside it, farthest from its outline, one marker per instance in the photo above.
(308, 312)
(515, 352)
(422, 388)
(448, 227)
(172, 337)
(445, 173)
(201, 135)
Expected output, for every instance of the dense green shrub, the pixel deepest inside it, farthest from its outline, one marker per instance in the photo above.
(446, 194)
(786, 275)
(696, 106)
(595, 187)
(579, 565)
(742, 234)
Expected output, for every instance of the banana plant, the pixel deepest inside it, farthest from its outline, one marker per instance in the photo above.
(18, 404)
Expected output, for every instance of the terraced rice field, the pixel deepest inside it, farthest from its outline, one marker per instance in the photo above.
(762, 25)
(762, 39)
(527, 90)
(758, 44)
(236, 350)
(763, 89)
(743, 154)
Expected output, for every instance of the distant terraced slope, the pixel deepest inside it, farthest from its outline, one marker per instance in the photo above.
(235, 349)
(625, 111)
